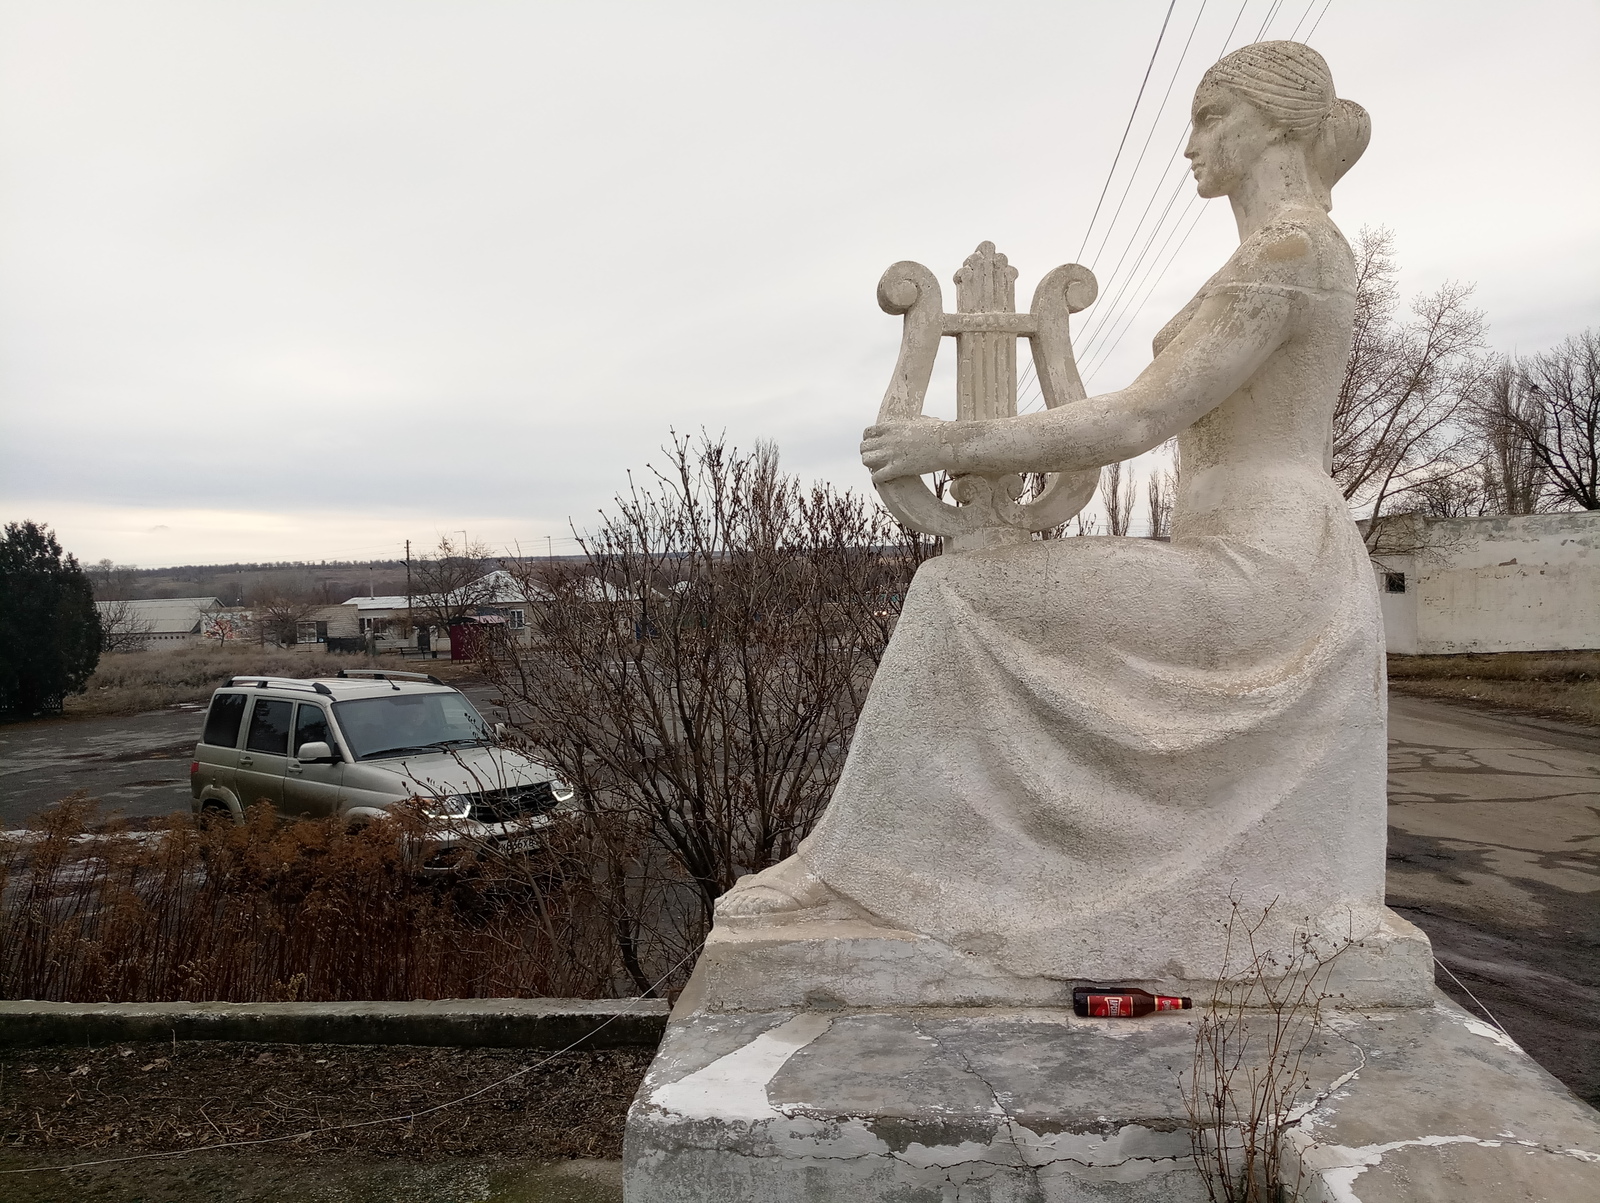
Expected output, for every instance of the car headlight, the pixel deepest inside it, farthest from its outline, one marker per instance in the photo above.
(562, 792)
(451, 806)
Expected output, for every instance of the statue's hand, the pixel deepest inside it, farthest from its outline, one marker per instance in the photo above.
(895, 449)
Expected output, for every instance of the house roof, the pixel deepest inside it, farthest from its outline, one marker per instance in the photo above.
(167, 615)
(498, 588)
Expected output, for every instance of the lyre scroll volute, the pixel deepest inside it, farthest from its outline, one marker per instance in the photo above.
(988, 510)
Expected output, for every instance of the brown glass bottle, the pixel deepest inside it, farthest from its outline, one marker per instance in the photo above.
(1123, 1002)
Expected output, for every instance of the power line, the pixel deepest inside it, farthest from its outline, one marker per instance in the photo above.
(1271, 14)
(1134, 174)
(1104, 189)
(1134, 311)
(1293, 33)
(1312, 31)
(1114, 322)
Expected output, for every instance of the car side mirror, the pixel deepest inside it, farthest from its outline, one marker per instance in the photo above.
(316, 752)
(499, 730)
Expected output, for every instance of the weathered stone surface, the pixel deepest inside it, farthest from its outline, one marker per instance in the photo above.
(1010, 1105)
(852, 962)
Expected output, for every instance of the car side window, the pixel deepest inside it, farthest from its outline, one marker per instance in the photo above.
(311, 726)
(222, 721)
(269, 727)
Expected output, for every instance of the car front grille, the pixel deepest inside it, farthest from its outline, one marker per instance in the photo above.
(505, 805)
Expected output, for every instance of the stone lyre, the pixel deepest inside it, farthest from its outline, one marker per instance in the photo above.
(987, 510)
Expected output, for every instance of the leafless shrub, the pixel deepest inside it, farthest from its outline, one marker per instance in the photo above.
(1251, 1050)
(304, 911)
(698, 676)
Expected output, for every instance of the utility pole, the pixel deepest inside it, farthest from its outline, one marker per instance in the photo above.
(411, 624)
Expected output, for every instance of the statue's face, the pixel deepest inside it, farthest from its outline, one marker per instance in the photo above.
(1229, 136)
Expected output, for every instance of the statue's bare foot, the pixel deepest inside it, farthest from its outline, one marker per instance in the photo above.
(787, 886)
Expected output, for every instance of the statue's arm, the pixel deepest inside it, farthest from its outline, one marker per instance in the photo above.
(1237, 326)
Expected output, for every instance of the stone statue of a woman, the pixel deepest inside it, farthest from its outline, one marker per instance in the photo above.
(1077, 751)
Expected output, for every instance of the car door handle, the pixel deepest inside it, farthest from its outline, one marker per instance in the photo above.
(296, 767)
(247, 760)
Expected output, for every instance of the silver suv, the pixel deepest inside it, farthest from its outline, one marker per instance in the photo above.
(358, 744)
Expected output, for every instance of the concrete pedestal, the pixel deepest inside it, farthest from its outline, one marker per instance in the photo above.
(1006, 1105)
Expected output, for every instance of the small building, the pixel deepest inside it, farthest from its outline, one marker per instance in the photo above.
(160, 622)
(398, 621)
(1501, 583)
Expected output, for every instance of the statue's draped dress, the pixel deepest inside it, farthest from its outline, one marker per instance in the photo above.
(1076, 750)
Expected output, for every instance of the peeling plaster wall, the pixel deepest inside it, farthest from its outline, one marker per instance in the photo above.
(1494, 584)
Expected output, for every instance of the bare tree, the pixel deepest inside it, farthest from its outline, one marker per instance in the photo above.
(1560, 419)
(113, 582)
(1161, 494)
(276, 616)
(1511, 477)
(452, 583)
(121, 627)
(1396, 425)
(699, 675)
(1117, 500)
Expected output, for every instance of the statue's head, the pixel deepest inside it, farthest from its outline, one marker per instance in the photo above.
(1267, 95)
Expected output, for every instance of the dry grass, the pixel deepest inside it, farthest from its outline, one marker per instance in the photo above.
(77, 1102)
(136, 682)
(303, 911)
(1559, 684)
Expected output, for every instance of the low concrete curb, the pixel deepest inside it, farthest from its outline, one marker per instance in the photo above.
(550, 1023)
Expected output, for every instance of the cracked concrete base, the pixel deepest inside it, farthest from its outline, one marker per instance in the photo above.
(849, 960)
(928, 1105)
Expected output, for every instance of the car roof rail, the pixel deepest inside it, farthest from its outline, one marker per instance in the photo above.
(383, 674)
(264, 682)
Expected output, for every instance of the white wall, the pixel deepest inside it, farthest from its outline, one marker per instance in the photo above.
(1496, 584)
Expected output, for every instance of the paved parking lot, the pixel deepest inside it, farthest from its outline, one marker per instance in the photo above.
(138, 765)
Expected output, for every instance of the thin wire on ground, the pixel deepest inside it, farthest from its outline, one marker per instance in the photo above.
(365, 1123)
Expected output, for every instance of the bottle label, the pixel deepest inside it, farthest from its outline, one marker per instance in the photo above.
(1110, 1006)
(1168, 1004)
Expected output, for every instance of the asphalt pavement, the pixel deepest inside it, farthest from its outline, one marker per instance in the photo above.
(1494, 851)
(136, 765)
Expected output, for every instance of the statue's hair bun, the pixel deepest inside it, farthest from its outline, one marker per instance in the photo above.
(1344, 135)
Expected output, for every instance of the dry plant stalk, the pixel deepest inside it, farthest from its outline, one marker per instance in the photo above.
(310, 910)
(1250, 1051)
(698, 676)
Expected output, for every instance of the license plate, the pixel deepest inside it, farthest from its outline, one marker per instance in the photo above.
(527, 843)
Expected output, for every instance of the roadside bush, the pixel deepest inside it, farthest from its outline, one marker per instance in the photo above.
(94, 912)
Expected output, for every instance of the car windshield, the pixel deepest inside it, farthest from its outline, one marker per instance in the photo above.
(409, 724)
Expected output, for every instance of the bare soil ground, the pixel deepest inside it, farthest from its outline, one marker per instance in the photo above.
(66, 1106)
(1562, 685)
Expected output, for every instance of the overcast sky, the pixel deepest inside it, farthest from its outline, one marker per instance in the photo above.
(294, 281)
